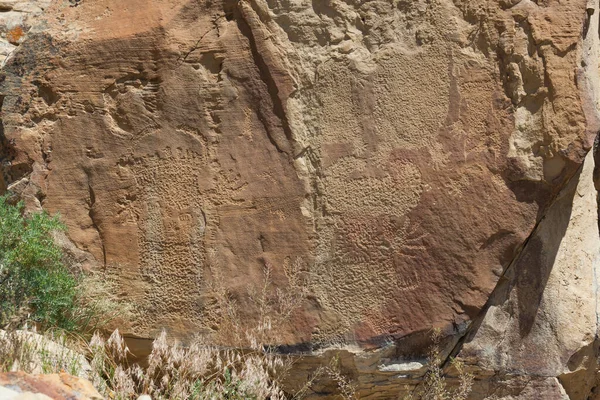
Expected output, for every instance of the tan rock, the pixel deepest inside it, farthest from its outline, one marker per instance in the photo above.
(525, 389)
(53, 386)
(7, 394)
(542, 318)
(42, 353)
(404, 151)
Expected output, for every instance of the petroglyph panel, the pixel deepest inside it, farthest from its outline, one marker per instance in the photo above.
(365, 240)
(383, 142)
(352, 188)
(368, 265)
(168, 209)
(411, 103)
(337, 92)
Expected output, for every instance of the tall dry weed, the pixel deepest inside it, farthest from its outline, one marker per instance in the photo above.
(53, 352)
(245, 365)
(249, 367)
(197, 371)
(435, 385)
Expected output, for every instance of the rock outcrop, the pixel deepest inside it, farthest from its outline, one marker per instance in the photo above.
(542, 320)
(22, 386)
(39, 352)
(401, 165)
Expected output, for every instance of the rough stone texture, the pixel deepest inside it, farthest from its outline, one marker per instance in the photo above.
(542, 320)
(53, 386)
(524, 389)
(9, 394)
(403, 151)
(42, 350)
(16, 19)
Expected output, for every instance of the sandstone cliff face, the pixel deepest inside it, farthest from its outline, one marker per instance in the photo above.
(408, 164)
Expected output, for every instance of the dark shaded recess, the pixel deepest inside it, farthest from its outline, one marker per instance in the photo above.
(46, 92)
(588, 20)
(529, 271)
(412, 346)
(6, 155)
(266, 76)
(596, 175)
(211, 62)
(321, 7)
(417, 344)
(526, 191)
(230, 9)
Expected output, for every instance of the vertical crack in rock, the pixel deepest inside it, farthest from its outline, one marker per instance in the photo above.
(596, 178)
(93, 218)
(505, 282)
(589, 86)
(276, 79)
(5, 159)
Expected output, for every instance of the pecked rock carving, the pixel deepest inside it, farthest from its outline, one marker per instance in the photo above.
(417, 156)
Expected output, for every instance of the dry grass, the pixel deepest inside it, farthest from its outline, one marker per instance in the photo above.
(99, 306)
(197, 371)
(25, 350)
(249, 368)
(435, 385)
(274, 307)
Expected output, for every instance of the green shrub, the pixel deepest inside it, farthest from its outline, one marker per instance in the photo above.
(33, 278)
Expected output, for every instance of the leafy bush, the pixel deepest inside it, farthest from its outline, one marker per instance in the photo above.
(33, 278)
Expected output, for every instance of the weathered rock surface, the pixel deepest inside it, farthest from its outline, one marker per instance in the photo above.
(41, 387)
(542, 320)
(41, 352)
(420, 158)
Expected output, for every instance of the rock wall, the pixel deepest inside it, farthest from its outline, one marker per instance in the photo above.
(394, 165)
(542, 319)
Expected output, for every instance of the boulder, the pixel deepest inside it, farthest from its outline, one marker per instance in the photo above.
(542, 318)
(39, 354)
(40, 387)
